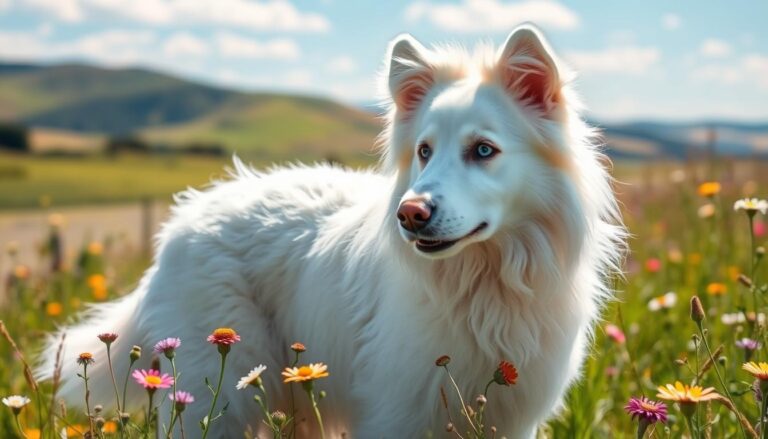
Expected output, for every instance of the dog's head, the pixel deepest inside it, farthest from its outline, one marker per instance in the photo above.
(472, 137)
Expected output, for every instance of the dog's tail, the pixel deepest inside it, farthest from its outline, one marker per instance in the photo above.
(120, 317)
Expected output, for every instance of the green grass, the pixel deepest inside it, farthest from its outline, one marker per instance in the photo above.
(26, 180)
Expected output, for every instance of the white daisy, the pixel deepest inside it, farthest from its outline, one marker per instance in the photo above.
(666, 301)
(251, 377)
(751, 205)
(16, 402)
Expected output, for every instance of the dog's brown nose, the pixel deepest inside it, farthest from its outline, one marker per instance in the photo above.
(414, 214)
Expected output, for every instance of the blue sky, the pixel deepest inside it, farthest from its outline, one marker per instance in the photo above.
(655, 59)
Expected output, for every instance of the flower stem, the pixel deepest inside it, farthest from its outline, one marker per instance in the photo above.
(125, 385)
(308, 387)
(173, 405)
(87, 396)
(151, 393)
(117, 394)
(208, 419)
(461, 400)
(719, 377)
(762, 415)
(18, 425)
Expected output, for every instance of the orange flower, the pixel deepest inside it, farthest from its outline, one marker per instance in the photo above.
(717, 289)
(305, 373)
(21, 272)
(685, 394)
(298, 347)
(32, 433)
(223, 336)
(95, 248)
(85, 359)
(98, 285)
(53, 309)
(75, 430)
(505, 374)
(709, 189)
(757, 370)
(109, 427)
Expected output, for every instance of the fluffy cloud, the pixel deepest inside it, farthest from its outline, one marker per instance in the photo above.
(342, 65)
(714, 48)
(254, 15)
(632, 60)
(231, 45)
(185, 44)
(492, 15)
(671, 21)
(751, 69)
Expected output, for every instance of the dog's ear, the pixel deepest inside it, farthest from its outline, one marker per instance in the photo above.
(528, 70)
(410, 76)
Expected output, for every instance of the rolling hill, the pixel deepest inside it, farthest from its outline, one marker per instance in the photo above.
(169, 111)
(71, 100)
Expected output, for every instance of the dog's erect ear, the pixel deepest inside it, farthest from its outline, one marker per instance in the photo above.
(410, 76)
(528, 70)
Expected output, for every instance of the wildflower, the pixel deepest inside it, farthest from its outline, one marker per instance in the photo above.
(167, 346)
(16, 402)
(21, 272)
(443, 360)
(757, 370)
(85, 359)
(310, 372)
(717, 289)
(665, 301)
(32, 433)
(759, 228)
(697, 310)
(505, 374)
(615, 333)
(748, 344)
(95, 248)
(107, 337)
(151, 379)
(709, 189)
(98, 285)
(182, 399)
(685, 394)
(279, 418)
(135, 353)
(253, 377)
(223, 336)
(53, 309)
(675, 256)
(652, 265)
(481, 400)
(644, 409)
(751, 206)
(706, 211)
(109, 427)
(298, 347)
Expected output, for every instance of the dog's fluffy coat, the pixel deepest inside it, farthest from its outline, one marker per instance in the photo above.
(315, 254)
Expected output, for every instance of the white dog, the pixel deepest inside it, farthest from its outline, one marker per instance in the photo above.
(487, 234)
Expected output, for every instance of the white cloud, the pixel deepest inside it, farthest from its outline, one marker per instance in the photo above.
(115, 47)
(231, 45)
(341, 65)
(493, 15)
(751, 69)
(671, 21)
(714, 48)
(293, 80)
(628, 59)
(5, 4)
(262, 15)
(45, 29)
(185, 44)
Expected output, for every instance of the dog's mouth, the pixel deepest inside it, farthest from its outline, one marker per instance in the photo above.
(436, 245)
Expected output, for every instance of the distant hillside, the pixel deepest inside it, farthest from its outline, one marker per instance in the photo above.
(169, 111)
(71, 100)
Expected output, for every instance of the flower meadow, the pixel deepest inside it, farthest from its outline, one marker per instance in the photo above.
(681, 352)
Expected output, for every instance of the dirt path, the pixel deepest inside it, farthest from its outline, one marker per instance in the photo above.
(125, 226)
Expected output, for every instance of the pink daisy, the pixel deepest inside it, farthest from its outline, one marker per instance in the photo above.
(167, 346)
(615, 333)
(151, 379)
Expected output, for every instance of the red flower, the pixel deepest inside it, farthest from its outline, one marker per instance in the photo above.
(224, 336)
(505, 374)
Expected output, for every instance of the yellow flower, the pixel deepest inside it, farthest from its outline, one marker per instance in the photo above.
(53, 309)
(75, 430)
(32, 433)
(109, 427)
(757, 370)
(685, 394)
(98, 285)
(717, 289)
(305, 373)
(709, 189)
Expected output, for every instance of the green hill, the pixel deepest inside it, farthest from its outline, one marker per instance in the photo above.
(169, 111)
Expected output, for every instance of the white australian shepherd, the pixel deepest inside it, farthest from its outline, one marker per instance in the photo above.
(487, 233)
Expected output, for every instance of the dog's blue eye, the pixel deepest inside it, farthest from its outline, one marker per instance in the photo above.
(424, 152)
(484, 151)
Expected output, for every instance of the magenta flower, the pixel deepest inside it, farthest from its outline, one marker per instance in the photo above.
(182, 397)
(647, 411)
(167, 346)
(615, 333)
(151, 379)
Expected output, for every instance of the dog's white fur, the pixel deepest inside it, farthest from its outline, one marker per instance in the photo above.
(315, 254)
